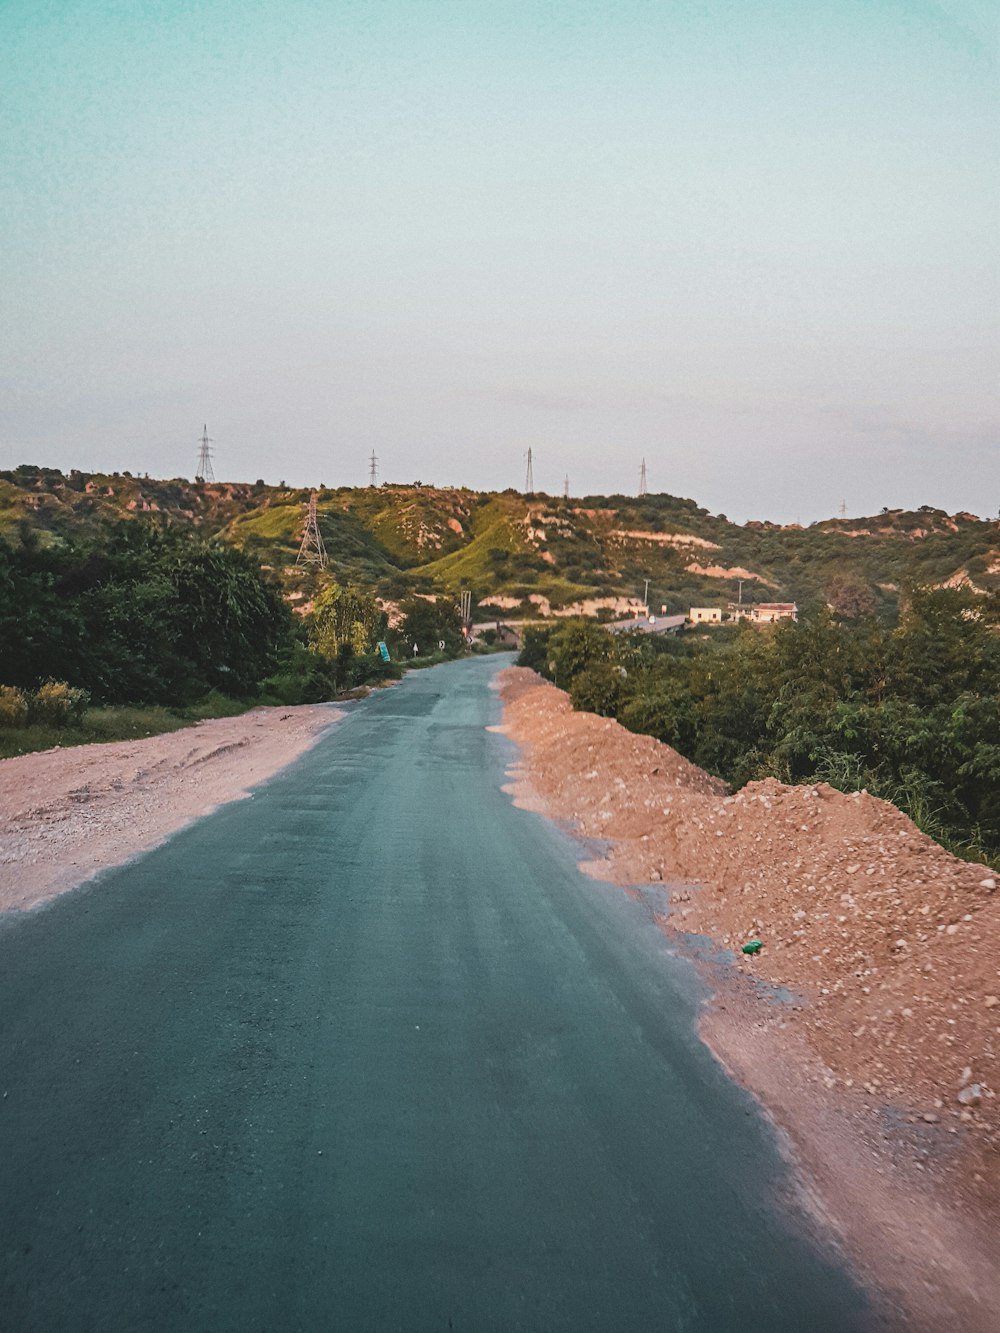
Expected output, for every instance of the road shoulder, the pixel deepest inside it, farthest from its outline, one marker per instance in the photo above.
(67, 814)
(819, 1029)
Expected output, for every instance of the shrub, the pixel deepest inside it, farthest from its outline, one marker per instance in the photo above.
(56, 704)
(13, 707)
(306, 678)
(576, 646)
(535, 647)
(599, 688)
(662, 707)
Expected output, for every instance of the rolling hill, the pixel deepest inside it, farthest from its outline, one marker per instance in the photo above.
(513, 551)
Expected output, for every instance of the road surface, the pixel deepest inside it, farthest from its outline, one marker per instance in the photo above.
(367, 1052)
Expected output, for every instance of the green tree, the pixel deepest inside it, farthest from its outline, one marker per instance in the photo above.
(576, 646)
(142, 615)
(345, 617)
(599, 688)
(942, 646)
(429, 623)
(850, 596)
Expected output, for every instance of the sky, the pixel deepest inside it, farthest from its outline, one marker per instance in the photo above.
(753, 243)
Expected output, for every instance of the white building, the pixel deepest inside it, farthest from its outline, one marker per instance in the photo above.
(764, 613)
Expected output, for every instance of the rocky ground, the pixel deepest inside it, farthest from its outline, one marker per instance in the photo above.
(879, 1053)
(67, 813)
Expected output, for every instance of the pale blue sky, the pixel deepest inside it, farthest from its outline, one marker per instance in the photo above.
(754, 242)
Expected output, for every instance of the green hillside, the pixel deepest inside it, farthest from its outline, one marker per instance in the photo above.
(536, 552)
(74, 504)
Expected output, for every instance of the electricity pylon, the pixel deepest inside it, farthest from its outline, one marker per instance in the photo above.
(529, 477)
(311, 548)
(205, 470)
(642, 478)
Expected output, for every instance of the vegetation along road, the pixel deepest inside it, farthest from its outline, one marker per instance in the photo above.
(368, 1052)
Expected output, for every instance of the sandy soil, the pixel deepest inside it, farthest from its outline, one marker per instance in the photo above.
(67, 813)
(879, 1061)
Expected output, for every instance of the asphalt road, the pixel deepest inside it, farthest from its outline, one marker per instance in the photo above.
(367, 1052)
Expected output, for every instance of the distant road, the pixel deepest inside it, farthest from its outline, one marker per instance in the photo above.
(367, 1052)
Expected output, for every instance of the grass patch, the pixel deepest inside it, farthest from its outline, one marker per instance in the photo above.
(125, 722)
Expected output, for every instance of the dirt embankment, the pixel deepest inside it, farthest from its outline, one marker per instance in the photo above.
(67, 813)
(882, 1065)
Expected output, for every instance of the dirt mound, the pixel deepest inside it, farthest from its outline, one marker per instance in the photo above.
(892, 943)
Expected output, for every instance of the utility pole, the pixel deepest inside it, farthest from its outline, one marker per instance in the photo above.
(311, 548)
(566, 486)
(529, 477)
(645, 593)
(642, 478)
(205, 470)
(465, 611)
(373, 470)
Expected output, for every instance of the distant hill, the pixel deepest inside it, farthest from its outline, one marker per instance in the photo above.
(515, 551)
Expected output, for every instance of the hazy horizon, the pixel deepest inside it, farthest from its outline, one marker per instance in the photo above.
(752, 243)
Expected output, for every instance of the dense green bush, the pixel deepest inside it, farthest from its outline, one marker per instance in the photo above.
(145, 615)
(599, 688)
(535, 647)
(910, 714)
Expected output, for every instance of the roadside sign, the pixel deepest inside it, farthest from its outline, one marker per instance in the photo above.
(383, 650)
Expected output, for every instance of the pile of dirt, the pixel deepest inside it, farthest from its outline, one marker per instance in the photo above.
(889, 944)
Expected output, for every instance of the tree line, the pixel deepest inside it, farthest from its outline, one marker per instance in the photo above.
(146, 613)
(910, 713)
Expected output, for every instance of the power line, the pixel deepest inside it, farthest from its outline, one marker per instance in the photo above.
(205, 470)
(312, 551)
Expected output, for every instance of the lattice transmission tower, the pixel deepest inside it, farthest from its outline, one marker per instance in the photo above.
(311, 549)
(205, 470)
(642, 478)
(529, 477)
(373, 470)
